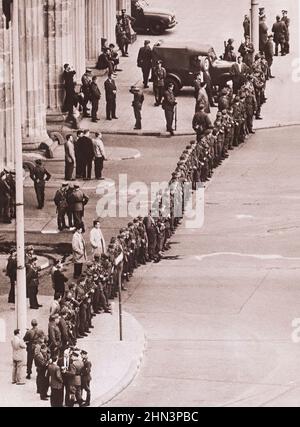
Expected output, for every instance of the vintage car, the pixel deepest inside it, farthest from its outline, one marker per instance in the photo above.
(183, 60)
(153, 20)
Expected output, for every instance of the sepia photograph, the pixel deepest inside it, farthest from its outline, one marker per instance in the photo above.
(149, 206)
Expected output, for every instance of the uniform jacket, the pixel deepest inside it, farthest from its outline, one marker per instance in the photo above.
(54, 335)
(138, 100)
(79, 249)
(60, 198)
(280, 31)
(18, 348)
(145, 58)
(201, 122)
(40, 174)
(54, 373)
(86, 370)
(11, 268)
(269, 50)
(169, 101)
(159, 76)
(110, 87)
(32, 277)
(74, 373)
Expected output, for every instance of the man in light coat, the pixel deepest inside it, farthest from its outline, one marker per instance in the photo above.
(97, 240)
(79, 252)
(70, 159)
(19, 358)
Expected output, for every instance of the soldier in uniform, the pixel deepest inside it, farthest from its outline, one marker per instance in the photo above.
(280, 34)
(287, 22)
(137, 105)
(247, 51)
(11, 272)
(74, 380)
(41, 360)
(40, 176)
(201, 122)
(251, 107)
(61, 204)
(32, 283)
(259, 83)
(159, 76)
(169, 104)
(5, 198)
(86, 81)
(127, 21)
(144, 62)
(31, 339)
(86, 378)
(224, 101)
(237, 117)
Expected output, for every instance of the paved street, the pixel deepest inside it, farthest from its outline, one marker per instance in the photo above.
(218, 311)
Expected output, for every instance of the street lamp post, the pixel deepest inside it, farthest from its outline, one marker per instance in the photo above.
(21, 303)
(255, 23)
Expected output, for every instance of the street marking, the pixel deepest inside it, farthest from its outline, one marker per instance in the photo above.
(238, 254)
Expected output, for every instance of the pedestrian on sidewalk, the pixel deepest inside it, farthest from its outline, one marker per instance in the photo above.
(40, 176)
(269, 54)
(169, 104)
(70, 158)
(111, 97)
(31, 338)
(56, 383)
(100, 155)
(95, 99)
(144, 61)
(88, 155)
(79, 252)
(137, 104)
(97, 240)
(11, 272)
(18, 358)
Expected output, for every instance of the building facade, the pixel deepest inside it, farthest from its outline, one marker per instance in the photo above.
(52, 33)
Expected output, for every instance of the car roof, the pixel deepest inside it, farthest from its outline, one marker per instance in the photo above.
(186, 45)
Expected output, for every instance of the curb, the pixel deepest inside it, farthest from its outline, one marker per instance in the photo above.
(128, 378)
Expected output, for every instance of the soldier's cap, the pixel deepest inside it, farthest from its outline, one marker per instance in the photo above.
(201, 107)
(34, 322)
(123, 230)
(130, 224)
(76, 185)
(29, 248)
(140, 218)
(230, 41)
(237, 99)
(224, 112)
(64, 311)
(170, 84)
(224, 91)
(65, 184)
(74, 354)
(38, 162)
(13, 250)
(159, 61)
(89, 264)
(270, 36)
(84, 353)
(88, 71)
(135, 220)
(242, 95)
(123, 10)
(284, 11)
(146, 42)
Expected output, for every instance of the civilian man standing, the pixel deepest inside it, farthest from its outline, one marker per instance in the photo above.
(97, 240)
(79, 252)
(95, 98)
(100, 155)
(111, 98)
(70, 159)
(56, 383)
(145, 61)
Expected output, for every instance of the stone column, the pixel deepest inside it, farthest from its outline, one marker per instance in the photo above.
(78, 38)
(6, 97)
(58, 51)
(100, 22)
(32, 73)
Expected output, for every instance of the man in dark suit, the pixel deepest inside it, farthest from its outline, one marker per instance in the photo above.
(111, 97)
(145, 61)
(69, 83)
(79, 148)
(169, 105)
(95, 98)
(263, 33)
(88, 155)
(239, 72)
(56, 383)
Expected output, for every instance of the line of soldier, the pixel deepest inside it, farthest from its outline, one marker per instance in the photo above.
(7, 196)
(66, 369)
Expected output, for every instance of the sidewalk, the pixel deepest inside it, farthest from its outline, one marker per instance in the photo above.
(115, 363)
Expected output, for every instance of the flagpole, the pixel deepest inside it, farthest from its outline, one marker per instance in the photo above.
(21, 303)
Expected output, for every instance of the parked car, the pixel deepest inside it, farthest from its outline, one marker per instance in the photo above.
(183, 60)
(154, 20)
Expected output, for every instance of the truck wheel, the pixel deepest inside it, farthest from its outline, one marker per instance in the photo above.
(177, 86)
(156, 29)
